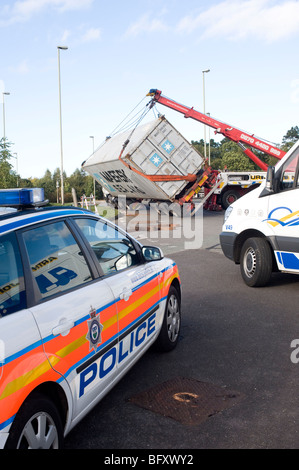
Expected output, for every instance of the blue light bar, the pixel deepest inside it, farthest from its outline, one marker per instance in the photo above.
(21, 197)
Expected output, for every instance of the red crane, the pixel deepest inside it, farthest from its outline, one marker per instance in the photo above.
(220, 127)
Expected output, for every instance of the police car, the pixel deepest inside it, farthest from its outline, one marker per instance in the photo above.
(80, 302)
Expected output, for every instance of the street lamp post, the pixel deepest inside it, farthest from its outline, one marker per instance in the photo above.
(17, 168)
(204, 108)
(63, 48)
(94, 181)
(209, 139)
(57, 190)
(4, 137)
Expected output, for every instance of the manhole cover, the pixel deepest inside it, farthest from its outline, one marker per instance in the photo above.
(186, 400)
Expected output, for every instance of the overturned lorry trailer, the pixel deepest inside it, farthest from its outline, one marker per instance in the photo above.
(152, 163)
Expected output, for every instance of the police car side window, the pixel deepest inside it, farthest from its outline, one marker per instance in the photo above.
(56, 260)
(12, 288)
(114, 251)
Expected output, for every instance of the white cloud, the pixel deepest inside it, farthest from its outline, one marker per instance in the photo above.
(66, 34)
(67, 5)
(91, 34)
(23, 10)
(146, 24)
(22, 68)
(270, 20)
(19, 69)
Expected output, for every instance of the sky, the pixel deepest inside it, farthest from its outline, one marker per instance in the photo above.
(118, 50)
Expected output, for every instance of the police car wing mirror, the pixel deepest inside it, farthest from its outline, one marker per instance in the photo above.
(123, 262)
(152, 253)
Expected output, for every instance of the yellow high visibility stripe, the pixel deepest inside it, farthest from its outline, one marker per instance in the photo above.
(46, 365)
(26, 379)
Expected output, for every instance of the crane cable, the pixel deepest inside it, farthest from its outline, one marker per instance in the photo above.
(116, 130)
(157, 178)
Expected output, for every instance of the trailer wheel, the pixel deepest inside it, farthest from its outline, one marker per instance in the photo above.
(229, 197)
(256, 262)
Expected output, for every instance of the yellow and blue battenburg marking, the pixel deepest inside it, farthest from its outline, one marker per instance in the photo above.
(286, 260)
(290, 219)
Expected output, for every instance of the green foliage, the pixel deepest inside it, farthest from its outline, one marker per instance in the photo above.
(290, 138)
(228, 155)
(223, 155)
(8, 177)
(79, 180)
(234, 159)
(213, 150)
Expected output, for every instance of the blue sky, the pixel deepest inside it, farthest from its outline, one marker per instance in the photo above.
(118, 50)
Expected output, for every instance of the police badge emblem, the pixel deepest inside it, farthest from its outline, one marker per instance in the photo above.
(94, 330)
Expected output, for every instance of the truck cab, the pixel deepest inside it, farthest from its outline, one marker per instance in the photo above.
(260, 230)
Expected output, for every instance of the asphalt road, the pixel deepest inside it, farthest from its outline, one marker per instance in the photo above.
(229, 384)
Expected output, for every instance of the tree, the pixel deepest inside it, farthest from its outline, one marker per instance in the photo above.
(49, 185)
(8, 177)
(290, 138)
(213, 150)
(233, 158)
(77, 180)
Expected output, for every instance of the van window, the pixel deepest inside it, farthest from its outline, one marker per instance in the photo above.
(12, 288)
(289, 177)
(56, 260)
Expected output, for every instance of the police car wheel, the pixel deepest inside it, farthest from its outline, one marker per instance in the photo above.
(36, 426)
(256, 262)
(169, 334)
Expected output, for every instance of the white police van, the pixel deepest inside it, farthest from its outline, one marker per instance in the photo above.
(80, 302)
(261, 229)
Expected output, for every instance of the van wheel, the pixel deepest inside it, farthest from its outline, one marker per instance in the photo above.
(169, 334)
(36, 426)
(256, 262)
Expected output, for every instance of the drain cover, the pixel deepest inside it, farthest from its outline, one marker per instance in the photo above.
(186, 400)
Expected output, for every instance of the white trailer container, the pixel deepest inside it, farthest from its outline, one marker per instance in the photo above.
(155, 148)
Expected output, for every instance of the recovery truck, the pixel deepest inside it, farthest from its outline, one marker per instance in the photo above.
(154, 162)
(228, 186)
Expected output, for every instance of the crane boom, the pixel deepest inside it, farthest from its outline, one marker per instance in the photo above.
(226, 130)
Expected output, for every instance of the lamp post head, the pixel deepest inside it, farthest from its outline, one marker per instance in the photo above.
(206, 71)
(63, 48)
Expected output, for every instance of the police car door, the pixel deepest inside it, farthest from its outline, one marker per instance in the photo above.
(135, 286)
(283, 214)
(75, 312)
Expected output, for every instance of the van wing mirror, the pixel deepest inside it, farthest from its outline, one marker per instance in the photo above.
(270, 182)
(270, 178)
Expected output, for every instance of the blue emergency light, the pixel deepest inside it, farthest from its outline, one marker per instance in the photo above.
(22, 197)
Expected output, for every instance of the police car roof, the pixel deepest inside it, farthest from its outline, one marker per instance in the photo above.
(19, 212)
